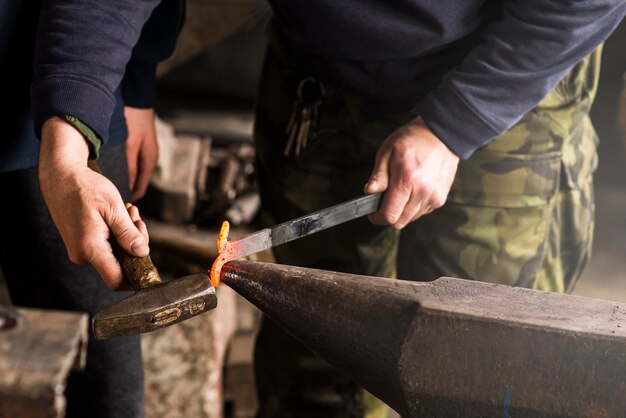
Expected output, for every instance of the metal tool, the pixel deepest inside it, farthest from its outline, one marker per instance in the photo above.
(155, 304)
(290, 230)
(451, 347)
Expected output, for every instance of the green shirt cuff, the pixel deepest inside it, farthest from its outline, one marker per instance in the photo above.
(92, 139)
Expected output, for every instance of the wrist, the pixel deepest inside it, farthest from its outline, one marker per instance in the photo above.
(425, 132)
(88, 134)
(62, 145)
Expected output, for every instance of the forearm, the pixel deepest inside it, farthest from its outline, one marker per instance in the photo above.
(81, 52)
(522, 56)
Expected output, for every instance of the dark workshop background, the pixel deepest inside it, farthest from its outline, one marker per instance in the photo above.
(207, 89)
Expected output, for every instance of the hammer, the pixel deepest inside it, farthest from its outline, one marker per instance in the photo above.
(154, 304)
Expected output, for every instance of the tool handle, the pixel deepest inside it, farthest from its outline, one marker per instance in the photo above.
(139, 271)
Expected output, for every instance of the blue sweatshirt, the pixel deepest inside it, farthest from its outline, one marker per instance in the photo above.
(477, 66)
(67, 39)
(488, 62)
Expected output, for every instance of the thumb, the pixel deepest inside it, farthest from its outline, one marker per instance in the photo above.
(127, 234)
(379, 179)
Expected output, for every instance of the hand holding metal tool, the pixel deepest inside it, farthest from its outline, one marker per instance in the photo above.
(155, 304)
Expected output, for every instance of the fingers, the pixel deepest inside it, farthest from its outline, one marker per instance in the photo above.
(416, 171)
(133, 212)
(125, 232)
(379, 179)
(378, 182)
(131, 158)
(91, 247)
(142, 149)
(393, 203)
(147, 161)
(95, 248)
(102, 259)
(413, 209)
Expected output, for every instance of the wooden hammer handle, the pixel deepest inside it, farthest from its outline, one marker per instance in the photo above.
(139, 271)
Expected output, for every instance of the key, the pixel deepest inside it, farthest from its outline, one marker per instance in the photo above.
(303, 132)
(292, 127)
(304, 115)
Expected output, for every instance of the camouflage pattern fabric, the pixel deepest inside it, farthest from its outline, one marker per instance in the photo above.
(526, 193)
(521, 209)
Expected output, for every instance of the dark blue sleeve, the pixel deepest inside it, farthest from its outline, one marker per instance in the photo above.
(81, 53)
(156, 43)
(521, 58)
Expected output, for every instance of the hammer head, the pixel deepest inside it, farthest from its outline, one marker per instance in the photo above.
(156, 307)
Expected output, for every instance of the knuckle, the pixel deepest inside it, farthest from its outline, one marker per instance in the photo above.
(411, 175)
(390, 216)
(427, 191)
(125, 235)
(438, 201)
(407, 180)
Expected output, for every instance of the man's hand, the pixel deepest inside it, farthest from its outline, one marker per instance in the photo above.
(142, 150)
(416, 169)
(85, 206)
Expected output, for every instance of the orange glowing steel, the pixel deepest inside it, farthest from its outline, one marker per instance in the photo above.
(222, 241)
(222, 237)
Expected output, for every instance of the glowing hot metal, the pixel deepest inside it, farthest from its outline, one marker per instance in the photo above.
(289, 231)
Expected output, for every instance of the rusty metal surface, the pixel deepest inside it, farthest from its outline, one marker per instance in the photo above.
(38, 348)
(156, 307)
(451, 347)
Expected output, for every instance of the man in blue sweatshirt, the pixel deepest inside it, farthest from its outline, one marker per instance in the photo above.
(518, 202)
(411, 98)
(33, 256)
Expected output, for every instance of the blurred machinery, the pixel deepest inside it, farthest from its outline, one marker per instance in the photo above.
(201, 180)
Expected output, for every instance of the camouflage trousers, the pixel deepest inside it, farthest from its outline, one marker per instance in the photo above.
(521, 209)
(520, 212)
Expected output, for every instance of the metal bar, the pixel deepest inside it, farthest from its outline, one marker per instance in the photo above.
(305, 225)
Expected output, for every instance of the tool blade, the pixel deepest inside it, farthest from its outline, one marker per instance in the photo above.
(304, 225)
(292, 230)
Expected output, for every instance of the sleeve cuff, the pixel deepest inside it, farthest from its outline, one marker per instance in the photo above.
(84, 100)
(90, 136)
(455, 123)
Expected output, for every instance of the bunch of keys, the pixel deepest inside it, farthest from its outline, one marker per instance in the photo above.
(304, 114)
